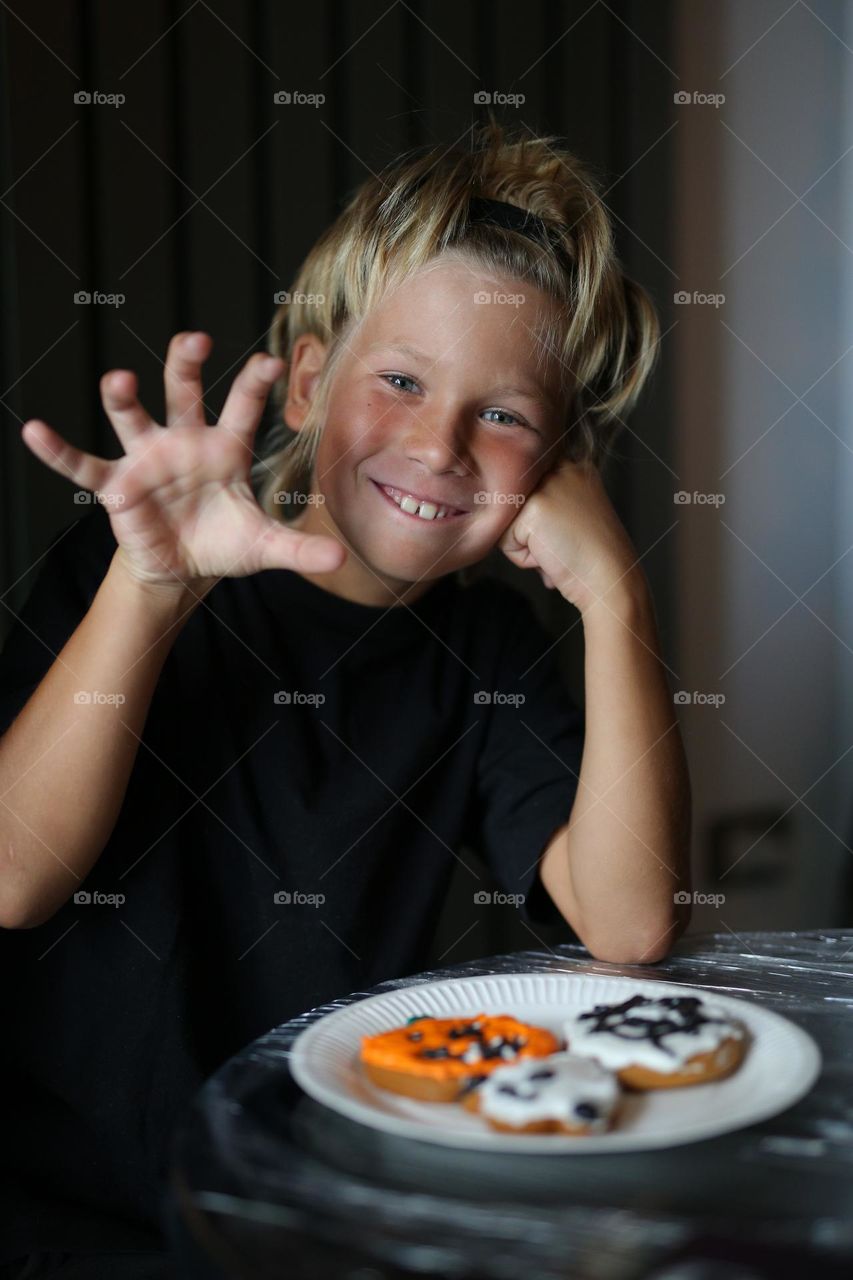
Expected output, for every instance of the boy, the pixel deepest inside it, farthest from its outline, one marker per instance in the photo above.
(242, 753)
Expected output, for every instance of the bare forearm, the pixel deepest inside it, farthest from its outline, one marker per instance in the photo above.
(629, 835)
(65, 761)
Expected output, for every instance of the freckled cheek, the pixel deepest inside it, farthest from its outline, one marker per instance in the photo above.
(362, 431)
(507, 467)
(347, 439)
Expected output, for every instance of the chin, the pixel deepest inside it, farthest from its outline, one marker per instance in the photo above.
(407, 569)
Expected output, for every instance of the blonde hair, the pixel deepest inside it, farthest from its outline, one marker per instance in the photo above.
(603, 329)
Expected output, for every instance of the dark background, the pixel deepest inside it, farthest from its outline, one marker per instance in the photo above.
(199, 196)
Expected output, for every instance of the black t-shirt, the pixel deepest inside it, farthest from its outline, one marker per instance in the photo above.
(297, 745)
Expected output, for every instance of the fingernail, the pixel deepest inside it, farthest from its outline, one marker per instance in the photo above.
(270, 366)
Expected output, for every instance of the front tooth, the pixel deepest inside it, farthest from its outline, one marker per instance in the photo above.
(426, 510)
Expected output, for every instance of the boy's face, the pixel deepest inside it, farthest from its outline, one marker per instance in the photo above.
(442, 396)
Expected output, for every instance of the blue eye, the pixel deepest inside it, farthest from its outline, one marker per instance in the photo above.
(393, 379)
(506, 415)
(402, 377)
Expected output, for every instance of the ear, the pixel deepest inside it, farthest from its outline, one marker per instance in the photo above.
(306, 363)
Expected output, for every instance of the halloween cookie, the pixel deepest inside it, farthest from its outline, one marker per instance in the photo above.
(660, 1043)
(563, 1093)
(434, 1059)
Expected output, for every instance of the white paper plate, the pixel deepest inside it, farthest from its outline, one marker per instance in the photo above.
(781, 1064)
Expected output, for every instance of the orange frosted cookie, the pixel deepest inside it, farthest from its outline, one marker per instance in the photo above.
(438, 1059)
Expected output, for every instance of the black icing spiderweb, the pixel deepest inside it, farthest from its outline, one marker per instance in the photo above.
(682, 1016)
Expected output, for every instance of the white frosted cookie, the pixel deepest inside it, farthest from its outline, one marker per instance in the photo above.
(659, 1042)
(561, 1093)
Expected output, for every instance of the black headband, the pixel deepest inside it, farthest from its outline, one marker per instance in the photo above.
(514, 218)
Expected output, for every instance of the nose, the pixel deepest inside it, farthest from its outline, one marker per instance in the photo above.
(438, 442)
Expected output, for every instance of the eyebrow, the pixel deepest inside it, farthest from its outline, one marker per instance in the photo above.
(531, 392)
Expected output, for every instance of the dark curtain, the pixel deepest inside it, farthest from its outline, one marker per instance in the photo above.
(198, 195)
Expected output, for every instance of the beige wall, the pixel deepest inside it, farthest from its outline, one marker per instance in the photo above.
(739, 369)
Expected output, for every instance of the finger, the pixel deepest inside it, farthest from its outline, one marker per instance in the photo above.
(281, 548)
(521, 557)
(508, 542)
(49, 447)
(182, 378)
(118, 396)
(244, 406)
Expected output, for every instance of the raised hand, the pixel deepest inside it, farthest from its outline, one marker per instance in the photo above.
(179, 501)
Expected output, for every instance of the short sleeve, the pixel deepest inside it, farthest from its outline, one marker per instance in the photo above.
(65, 580)
(527, 771)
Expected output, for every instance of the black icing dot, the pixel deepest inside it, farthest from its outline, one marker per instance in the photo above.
(586, 1111)
(545, 1074)
(494, 1048)
(415, 1035)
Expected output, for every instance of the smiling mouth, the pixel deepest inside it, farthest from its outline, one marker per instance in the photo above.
(418, 508)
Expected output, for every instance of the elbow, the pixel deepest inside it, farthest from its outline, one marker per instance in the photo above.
(647, 947)
(12, 912)
(627, 951)
(15, 914)
(13, 918)
(25, 902)
(17, 911)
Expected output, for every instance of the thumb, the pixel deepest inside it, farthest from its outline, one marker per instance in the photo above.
(282, 548)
